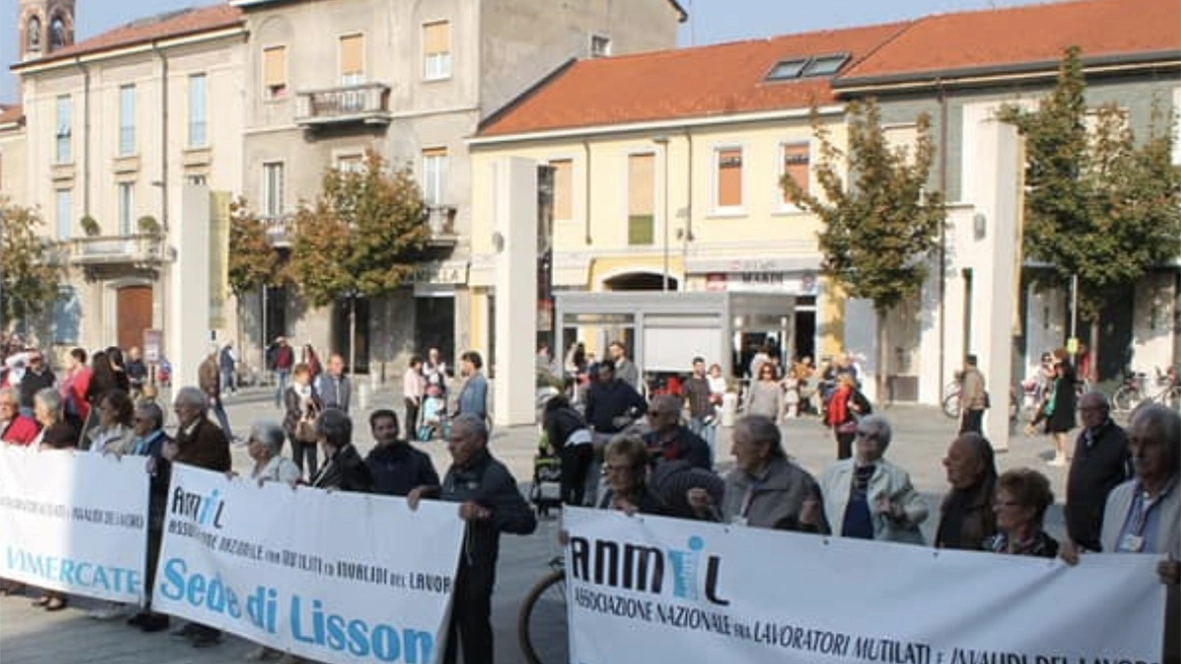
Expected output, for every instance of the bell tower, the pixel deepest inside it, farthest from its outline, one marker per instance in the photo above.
(44, 27)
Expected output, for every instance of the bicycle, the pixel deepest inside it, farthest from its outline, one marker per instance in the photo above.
(542, 612)
(1132, 393)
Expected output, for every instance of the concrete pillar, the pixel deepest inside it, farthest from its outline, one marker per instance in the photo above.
(187, 326)
(515, 240)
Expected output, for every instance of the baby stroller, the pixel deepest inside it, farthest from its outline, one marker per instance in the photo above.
(434, 416)
(546, 490)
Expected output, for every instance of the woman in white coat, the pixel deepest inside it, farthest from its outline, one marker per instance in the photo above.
(868, 497)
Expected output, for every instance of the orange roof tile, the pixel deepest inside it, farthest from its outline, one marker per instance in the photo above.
(170, 24)
(11, 113)
(1025, 35)
(682, 83)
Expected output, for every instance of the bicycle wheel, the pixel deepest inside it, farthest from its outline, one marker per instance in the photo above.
(1125, 399)
(951, 406)
(541, 623)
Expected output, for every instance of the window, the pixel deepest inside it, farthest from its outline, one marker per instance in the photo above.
(350, 163)
(274, 72)
(33, 34)
(600, 46)
(901, 138)
(67, 316)
(434, 176)
(64, 213)
(352, 59)
(825, 65)
(785, 69)
(126, 120)
(818, 65)
(65, 122)
(198, 136)
(198, 180)
(795, 160)
(436, 50)
(563, 192)
(126, 207)
(272, 189)
(641, 194)
(728, 193)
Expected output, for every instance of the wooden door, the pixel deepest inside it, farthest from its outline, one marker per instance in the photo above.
(134, 311)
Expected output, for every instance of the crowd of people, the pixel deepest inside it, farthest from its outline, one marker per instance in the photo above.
(1122, 492)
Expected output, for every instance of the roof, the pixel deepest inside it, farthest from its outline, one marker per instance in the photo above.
(141, 31)
(1033, 34)
(10, 113)
(682, 15)
(722, 79)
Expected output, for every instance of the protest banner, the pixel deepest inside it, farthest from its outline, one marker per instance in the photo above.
(655, 589)
(74, 522)
(330, 576)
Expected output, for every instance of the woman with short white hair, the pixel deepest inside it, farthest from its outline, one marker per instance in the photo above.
(265, 446)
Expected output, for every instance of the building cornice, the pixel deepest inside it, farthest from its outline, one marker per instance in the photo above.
(145, 47)
(655, 125)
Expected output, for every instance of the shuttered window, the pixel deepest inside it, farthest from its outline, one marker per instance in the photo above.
(795, 166)
(274, 71)
(352, 58)
(640, 198)
(436, 50)
(729, 193)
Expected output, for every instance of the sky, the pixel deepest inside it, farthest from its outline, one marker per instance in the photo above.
(712, 21)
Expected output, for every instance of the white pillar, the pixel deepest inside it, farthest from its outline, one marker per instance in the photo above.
(515, 222)
(187, 333)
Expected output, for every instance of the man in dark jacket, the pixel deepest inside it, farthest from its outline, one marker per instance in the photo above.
(1102, 461)
(669, 440)
(343, 468)
(701, 404)
(200, 443)
(397, 468)
(490, 504)
(37, 377)
(611, 406)
(151, 442)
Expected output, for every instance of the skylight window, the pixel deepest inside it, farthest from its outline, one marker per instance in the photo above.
(787, 69)
(817, 65)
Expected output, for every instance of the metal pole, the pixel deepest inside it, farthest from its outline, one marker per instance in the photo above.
(1073, 306)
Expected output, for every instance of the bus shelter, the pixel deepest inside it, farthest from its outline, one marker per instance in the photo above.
(664, 331)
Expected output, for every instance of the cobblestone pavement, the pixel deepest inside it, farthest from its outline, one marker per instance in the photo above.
(32, 636)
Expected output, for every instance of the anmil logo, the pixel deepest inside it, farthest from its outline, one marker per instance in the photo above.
(204, 510)
(641, 568)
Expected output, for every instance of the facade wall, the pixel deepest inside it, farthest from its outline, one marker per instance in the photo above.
(13, 176)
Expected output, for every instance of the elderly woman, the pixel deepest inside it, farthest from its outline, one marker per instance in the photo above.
(845, 407)
(967, 517)
(15, 429)
(343, 468)
(625, 461)
(57, 433)
(1022, 498)
(114, 433)
(765, 489)
(765, 396)
(873, 498)
(265, 446)
(301, 406)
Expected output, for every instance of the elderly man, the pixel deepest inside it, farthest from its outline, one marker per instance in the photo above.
(152, 442)
(490, 504)
(669, 440)
(1102, 462)
(765, 489)
(15, 429)
(200, 443)
(873, 498)
(343, 467)
(333, 388)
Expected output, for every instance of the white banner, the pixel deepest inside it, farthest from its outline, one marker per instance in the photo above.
(74, 522)
(654, 589)
(334, 577)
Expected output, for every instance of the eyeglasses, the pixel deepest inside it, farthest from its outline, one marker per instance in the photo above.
(866, 434)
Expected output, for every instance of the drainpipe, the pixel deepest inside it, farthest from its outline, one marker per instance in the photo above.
(689, 189)
(942, 236)
(587, 176)
(85, 134)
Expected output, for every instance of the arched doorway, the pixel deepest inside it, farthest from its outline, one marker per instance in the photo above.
(133, 311)
(640, 281)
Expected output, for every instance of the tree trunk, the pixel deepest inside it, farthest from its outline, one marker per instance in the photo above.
(883, 359)
(352, 334)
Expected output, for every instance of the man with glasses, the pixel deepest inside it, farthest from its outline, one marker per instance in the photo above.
(1101, 462)
(155, 445)
(15, 429)
(669, 440)
(37, 377)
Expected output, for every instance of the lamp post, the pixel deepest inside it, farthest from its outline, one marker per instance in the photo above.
(662, 141)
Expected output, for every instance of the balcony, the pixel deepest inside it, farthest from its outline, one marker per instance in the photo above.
(441, 220)
(367, 103)
(143, 252)
(280, 229)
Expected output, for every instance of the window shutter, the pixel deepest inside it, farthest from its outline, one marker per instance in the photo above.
(796, 166)
(730, 177)
(352, 57)
(436, 38)
(274, 66)
(563, 194)
(640, 184)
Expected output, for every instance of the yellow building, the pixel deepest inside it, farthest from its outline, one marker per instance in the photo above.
(665, 173)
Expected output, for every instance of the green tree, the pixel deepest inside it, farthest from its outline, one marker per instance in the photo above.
(252, 263)
(29, 276)
(361, 237)
(1099, 206)
(882, 226)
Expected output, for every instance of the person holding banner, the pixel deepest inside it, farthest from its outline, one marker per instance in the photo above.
(968, 519)
(151, 442)
(200, 443)
(490, 504)
(114, 434)
(15, 429)
(57, 433)
(1022, 498)
(625, 461)
(343, 468)
(765, 489)
(265, 446)
(873, 498)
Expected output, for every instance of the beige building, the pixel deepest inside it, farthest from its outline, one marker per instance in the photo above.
(665, 175)
(113, 127)
(326, 81)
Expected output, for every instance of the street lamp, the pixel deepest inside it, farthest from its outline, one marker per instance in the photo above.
(662, 141)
